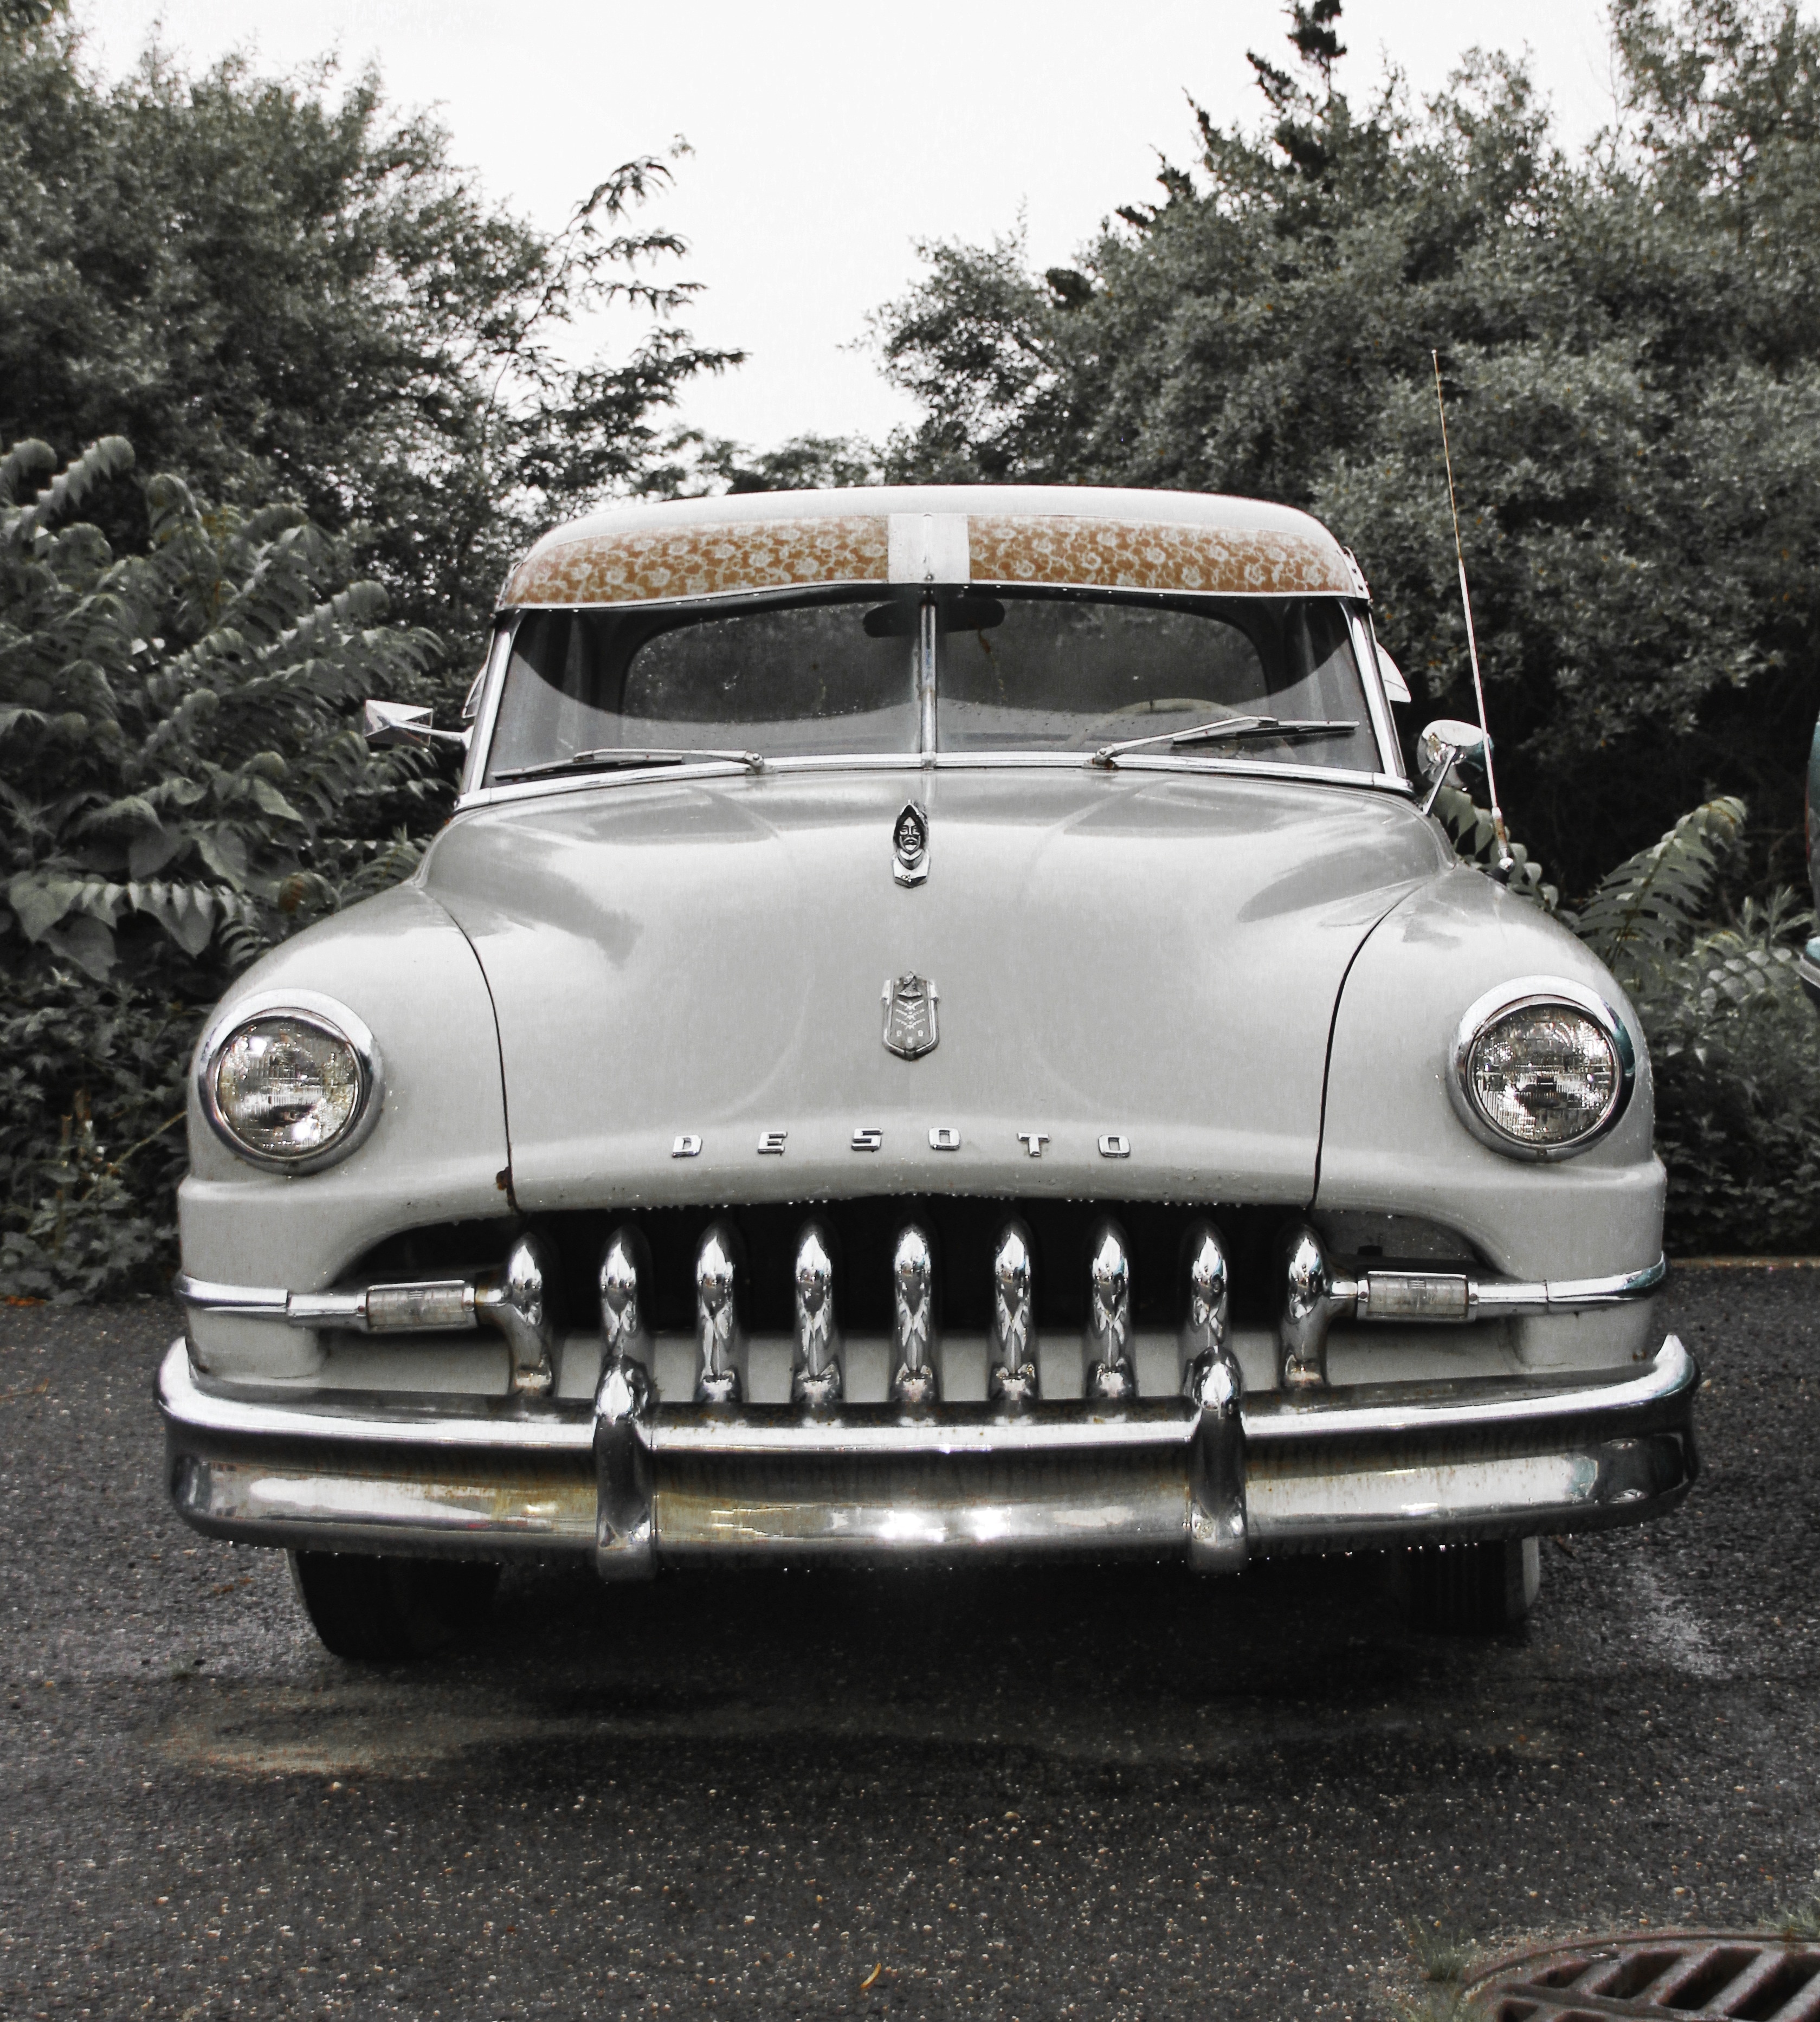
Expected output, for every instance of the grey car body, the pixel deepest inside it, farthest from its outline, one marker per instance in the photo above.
(1176, 995)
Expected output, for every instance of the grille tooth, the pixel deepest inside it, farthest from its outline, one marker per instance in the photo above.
(915, 1328)
(625, 1274)
(720, 1335)
(815, 1376)
(1109, 1372)
(1011, 1376)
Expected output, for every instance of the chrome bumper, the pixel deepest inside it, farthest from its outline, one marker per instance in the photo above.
(1339, 1469)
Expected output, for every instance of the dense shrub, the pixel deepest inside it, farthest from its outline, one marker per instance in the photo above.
(182, 781)
(1734, 1041)
(1630, 334)
(282, 287)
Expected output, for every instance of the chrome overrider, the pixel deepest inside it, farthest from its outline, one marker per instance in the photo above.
(1210, 1472)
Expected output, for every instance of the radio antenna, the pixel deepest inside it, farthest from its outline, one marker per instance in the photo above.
(1505, 859)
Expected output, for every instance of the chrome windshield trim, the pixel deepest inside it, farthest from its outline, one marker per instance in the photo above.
(916, 761)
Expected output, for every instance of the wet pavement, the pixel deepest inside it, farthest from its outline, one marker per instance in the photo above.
(1103, 1792)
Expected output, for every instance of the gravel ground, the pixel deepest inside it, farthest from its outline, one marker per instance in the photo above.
(1102, 1793)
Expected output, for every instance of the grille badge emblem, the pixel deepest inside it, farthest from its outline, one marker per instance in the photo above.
(910, 866)
(910, 1004)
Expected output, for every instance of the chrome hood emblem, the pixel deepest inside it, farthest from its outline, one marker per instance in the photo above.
(911, 836)
(910, 1016)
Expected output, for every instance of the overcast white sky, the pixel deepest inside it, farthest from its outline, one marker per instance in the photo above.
(829, 138)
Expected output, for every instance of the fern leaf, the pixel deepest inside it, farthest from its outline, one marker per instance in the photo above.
(99, 461)
(19, 463)
(1652, 902)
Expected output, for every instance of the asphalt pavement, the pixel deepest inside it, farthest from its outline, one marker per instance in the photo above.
(1093, 1793)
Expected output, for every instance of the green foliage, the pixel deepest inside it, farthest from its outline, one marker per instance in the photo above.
(1733, 1042)
(1474, 836)
(806, 463)
(277, 291)
(1736, 1048)
(1645, 908)
(182, 781)
(1631, 339)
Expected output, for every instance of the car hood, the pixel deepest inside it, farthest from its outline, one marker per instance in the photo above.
(1141, 967)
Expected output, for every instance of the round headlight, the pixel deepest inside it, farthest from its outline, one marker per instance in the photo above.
(290, 1086)
(1542, 1067)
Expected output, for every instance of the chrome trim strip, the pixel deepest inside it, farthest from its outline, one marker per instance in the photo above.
(1500, 1297)
(1475, 1404)
(501, 1424)
(915, 761)
(1364, 651)
(1471, 1404)
(268, 1302)
(960, 1428)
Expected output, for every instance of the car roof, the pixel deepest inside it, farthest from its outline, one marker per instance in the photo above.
(1060, 535)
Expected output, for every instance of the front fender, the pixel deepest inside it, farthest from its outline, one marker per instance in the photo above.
(439, 1152)
(1391, 1141)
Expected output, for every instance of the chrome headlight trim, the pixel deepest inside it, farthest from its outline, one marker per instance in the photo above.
(327, 1015)
(1539, 992)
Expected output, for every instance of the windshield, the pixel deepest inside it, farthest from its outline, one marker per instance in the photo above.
(823, 673)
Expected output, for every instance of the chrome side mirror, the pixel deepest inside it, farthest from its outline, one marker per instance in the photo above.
(1443, 745)
(385, 723)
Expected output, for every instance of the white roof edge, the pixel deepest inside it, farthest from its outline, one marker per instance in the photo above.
(1188, 509)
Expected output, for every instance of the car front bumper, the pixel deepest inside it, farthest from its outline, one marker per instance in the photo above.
(1342, 1469)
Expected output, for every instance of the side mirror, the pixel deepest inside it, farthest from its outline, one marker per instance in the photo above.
(1441, 746)
(384, 723)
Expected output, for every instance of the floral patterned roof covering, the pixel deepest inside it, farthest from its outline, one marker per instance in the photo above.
(1224, 547)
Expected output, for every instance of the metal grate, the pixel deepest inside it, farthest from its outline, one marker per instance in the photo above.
(1697, 1974)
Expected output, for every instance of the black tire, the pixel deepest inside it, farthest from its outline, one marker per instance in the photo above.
(1473, 1589)
(385, 1609)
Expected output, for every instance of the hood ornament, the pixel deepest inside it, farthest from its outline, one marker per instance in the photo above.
(910, 865)
(910, 1016)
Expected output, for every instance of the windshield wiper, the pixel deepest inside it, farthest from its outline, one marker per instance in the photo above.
(620, 758)
(1237, 728)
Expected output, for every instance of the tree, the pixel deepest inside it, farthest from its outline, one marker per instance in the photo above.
(275, 292)
(181, 783)
(1631, 341)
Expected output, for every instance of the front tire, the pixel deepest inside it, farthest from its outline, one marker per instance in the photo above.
(385, 1609)
(1473, 1589)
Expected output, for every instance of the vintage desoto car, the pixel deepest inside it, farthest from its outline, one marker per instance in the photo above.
(940, 1025)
